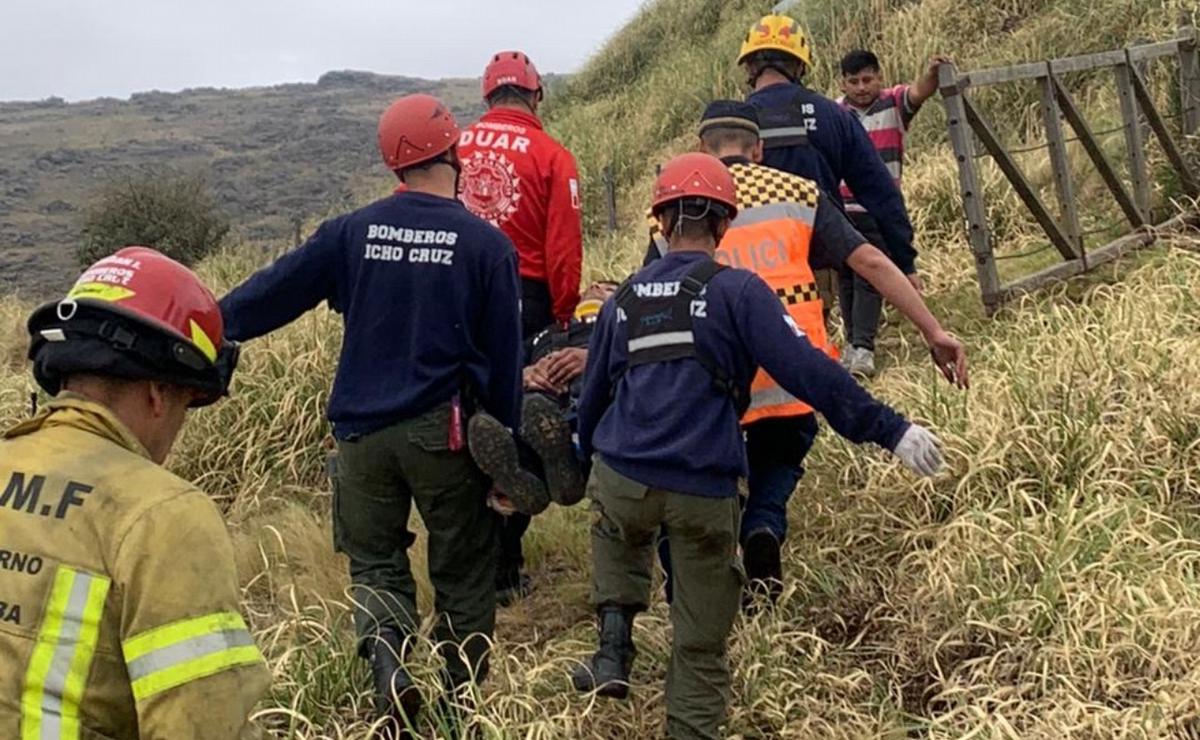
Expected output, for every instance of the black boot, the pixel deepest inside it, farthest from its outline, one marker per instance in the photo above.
(396, 695)
(607, 672)
(495, 452)
(545, 429)
(764, 565)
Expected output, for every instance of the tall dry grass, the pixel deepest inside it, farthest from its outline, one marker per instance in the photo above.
(1044, 587)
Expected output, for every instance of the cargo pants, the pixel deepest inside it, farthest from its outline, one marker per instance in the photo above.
(380, 476)
(708, 581)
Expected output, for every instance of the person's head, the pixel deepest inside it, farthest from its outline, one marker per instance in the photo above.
(511, 81)
(776, 49)
(695, 199)
(861, 78)
(729, 128)
(600, 290)
(140, 334)
(418, 138)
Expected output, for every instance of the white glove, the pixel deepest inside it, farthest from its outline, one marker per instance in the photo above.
(918, 450)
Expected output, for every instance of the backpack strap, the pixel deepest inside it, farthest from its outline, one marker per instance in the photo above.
(783, 126)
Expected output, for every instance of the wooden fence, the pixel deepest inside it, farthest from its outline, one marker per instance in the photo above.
(969, 126)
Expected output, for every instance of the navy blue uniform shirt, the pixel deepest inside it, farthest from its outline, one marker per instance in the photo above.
(841, 150)
(667, 424)
(430, 302)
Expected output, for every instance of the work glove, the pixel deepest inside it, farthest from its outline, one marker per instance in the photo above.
(918, 450)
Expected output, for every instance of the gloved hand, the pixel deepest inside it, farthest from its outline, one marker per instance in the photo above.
(918, 450)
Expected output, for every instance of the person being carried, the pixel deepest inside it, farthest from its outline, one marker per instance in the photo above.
(542, 463)
(669, 376)
(785, 230)
(429, 298)
(119, 598)
(886, 114)
(520, 179)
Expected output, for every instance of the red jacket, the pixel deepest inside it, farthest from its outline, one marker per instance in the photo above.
(520, 179)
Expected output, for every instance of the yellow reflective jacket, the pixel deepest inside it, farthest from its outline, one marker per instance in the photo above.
(118, 592)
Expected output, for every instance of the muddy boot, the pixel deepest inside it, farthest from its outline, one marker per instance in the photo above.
(495, 452)
(545, 429)
(607, 672)
(396, 695)
(764, 566)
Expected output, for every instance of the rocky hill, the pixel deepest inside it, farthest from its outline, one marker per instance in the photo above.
(272, 155)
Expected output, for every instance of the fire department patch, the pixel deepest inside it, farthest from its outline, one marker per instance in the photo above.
(491, 188)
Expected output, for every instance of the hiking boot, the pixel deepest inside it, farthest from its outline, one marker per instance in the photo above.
(607, 671)
(511, 587)
(545, 429)
(862, 363)
(764, 566)
(495, 452)
(396, 696)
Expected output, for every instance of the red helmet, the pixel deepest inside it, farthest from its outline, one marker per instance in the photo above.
(137, 314)
(510, 68)
(415, 129)
(695, 175)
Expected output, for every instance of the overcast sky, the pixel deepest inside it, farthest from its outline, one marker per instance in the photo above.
(79, 49)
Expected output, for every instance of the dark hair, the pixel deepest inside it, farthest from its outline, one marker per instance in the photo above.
(509, 94)
(450, 157)
(716, 138)
(692, 218)
(859, 60)
(785, 64)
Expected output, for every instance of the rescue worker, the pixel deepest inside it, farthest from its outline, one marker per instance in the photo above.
(807, 134)
(118, 589)
(428, 294)
(518, 178)
(786, 230)
(669, 375)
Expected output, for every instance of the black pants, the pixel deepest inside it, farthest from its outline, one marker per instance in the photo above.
(861, 303)
(536, 314)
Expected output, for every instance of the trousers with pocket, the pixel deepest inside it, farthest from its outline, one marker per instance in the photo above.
(380, 476)
(707, 577)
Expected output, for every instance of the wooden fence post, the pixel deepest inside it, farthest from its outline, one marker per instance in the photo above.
(1134, 141)
(962, 139)
(1189, 79)
(1060, 161)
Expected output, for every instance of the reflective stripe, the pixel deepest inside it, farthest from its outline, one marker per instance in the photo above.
(661, 340)
(778, 133)
(752, 215)
(62, 656)
(174, 654)
(773, 396)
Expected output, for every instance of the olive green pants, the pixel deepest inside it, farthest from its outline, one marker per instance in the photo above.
(708, 581)
(379, 478)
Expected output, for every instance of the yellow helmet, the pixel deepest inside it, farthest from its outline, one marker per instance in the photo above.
(777, 33)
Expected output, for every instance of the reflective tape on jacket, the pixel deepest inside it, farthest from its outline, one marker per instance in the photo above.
(62, 657)
(184, 651)
(772, 235)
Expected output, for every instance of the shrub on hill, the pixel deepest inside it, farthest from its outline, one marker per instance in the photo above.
(173, 212)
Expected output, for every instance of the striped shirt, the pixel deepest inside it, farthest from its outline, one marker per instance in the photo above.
(886, 121)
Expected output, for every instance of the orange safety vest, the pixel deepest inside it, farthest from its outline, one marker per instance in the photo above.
(772, 236)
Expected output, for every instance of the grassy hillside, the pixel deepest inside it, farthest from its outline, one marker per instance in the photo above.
(271, 154)
(1046, 586)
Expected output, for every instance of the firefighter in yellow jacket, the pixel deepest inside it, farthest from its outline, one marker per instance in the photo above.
(118, 591)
